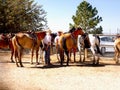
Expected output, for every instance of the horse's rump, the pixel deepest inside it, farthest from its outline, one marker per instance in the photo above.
(24, 40)
(84, 40)
(66, 41)
(117, 45)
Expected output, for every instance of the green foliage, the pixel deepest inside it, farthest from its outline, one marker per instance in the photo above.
(97, 30)
(21, 15)
(86, 17)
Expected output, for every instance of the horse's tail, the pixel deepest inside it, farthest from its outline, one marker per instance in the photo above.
(98, 49)
(98, 45)
(17, 42)
(64, 43)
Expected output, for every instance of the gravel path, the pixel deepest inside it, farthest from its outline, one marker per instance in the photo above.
(77, 76)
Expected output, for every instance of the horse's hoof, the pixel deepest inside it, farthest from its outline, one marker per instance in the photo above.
(116, 62)
(97, 63)
(93, 63)
(17, 65)
(37, 63)
(31, 63)
(12, 61)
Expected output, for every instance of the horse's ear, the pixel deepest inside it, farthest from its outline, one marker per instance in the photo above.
(72, 29)
(79, 28)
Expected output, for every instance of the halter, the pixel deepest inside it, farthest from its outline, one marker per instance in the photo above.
(74, 39)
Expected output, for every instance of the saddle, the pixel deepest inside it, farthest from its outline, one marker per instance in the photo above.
(33, 36)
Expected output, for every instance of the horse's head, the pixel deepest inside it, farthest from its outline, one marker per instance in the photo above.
(77, 31)
(72, 29)
(5, 37)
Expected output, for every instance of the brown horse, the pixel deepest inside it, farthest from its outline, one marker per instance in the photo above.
(117, 49)
(27, 41)
(68, 41)
(6, 43)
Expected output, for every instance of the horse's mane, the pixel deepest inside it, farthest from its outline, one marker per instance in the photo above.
(72, 30)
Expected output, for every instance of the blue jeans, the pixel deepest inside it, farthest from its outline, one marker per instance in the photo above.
(47, 55)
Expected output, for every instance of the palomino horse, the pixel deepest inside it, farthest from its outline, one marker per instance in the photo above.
(117, 49)
(68, 41)
(89, 41)
(27, 41)
(5, 43)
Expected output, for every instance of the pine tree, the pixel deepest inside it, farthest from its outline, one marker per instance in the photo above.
(21, 15)
(86, 17)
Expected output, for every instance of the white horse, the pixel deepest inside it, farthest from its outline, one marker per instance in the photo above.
(89, 41)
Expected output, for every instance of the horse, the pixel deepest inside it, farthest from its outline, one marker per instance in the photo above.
(117, 49)
(73, 50)
(67, 41)
(6, 43)
(89, 41)
(27, 41)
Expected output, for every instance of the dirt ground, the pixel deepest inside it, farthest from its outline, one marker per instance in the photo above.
(76, 76)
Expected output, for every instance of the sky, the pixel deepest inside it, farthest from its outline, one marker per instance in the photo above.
(60, 12)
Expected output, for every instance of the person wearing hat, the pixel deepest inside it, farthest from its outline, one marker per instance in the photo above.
(57, 42)
(57, 39)
(47, 45)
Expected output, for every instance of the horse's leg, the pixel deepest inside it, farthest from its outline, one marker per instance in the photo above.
(70, 54)
(12, 52)
(93, 59)
(98, 58)
(117, 57)
(67, 54)
(20, 56)
(74, 52)
(93, 52)
(15, 51)
(84, 54)
(57, 52)
(58, 57)
(80, 56)
(41, 56)
(61, 57)
(32, 53)
(16, 56)
(74, 56)
(37, 56)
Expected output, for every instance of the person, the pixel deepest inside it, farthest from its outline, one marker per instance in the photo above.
(57, 43)
(57, 39)
(47, 45)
